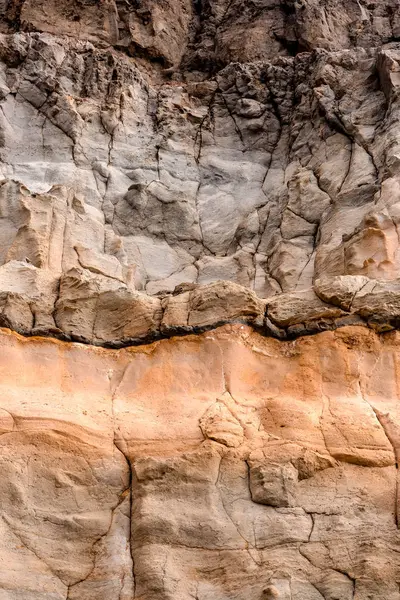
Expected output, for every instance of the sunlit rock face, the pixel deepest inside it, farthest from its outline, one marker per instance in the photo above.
(199, 299)
(223, 465)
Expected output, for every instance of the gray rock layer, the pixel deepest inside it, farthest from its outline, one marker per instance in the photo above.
(272, 171)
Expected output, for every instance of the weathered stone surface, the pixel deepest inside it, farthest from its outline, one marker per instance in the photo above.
(272, 172)
(223, 301)
(99, 309)
(219, 465)
(379, 303)
(167, 167)
(291, 309)
(340, 291)
(220, 425)
(253, 173)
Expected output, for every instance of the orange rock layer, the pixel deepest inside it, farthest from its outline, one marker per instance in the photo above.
(220, 466)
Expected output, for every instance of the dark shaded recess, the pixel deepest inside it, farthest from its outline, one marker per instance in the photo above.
(135, 50)
(290, 40)
(203, 27)
(293, 47)
(201, 57)
(12, 15)
(268, 329)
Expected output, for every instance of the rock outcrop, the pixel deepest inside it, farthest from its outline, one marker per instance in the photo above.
(200, 205)
(220, 465)
(272, 173)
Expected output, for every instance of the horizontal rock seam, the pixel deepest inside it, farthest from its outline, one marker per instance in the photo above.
(203, 308)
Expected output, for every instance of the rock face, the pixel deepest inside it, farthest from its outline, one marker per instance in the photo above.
(133, 148)
(222, 465)
(201, 200)
(136, 156)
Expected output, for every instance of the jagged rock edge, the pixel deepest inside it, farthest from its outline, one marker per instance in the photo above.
(264, 322)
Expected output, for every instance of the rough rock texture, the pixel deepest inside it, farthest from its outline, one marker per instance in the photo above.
(137, 156)
(270, 172)
(220, 466)
(227, 171)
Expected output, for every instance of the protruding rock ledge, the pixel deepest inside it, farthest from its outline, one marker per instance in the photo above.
(102, 311)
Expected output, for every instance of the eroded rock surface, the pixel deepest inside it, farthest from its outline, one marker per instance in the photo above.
(154, 144)
(223, 465)
(227, 172)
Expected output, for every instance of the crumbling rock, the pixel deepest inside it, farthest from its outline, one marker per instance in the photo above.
(257, 175)
(93, 308)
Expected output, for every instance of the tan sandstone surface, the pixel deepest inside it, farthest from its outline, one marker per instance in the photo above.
(221, 466)
(199, 299)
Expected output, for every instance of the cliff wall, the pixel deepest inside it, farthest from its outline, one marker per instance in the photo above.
(218, 466)
(199, 299)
